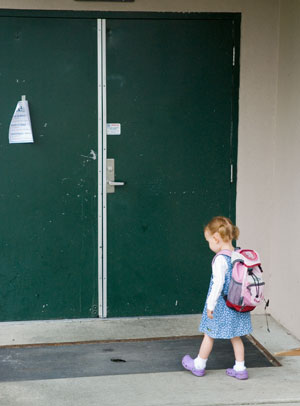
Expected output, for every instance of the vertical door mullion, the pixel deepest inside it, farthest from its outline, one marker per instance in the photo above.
(104, 154)
(100, 174)
(102, 234)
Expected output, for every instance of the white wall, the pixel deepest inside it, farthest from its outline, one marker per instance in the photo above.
(257, 109)
(285, 240)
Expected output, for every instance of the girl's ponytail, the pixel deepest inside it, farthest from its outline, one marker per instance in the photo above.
(235, 232)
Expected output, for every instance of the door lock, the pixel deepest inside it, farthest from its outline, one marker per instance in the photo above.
(110, 175)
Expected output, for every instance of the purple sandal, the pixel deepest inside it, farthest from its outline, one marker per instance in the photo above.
(237, 374)
(188, 363)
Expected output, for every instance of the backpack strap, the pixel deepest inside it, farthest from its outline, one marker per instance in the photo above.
(223, 252)
(227, 253)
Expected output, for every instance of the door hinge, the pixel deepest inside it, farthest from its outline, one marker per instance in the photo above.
(233, 56)
(231, 173)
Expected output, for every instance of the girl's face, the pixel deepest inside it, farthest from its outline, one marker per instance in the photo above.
(213, 241)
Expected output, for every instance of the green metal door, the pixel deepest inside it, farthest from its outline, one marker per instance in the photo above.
(172, 84)
(48, 190)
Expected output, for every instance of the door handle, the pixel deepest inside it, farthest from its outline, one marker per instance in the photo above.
(111, 183)
(110, 176)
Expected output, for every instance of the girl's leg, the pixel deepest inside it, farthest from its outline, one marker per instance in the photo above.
(197, 366)
(205, 350)
(238, 348)
(206, 347)
(239, 370)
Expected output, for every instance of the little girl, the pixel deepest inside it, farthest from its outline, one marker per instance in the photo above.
(218, 320)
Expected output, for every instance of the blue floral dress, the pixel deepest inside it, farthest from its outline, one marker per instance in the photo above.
(226, 323)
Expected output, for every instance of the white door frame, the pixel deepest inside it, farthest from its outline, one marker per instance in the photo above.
(102, 155)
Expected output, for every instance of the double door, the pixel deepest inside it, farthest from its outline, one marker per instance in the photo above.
(155, 99)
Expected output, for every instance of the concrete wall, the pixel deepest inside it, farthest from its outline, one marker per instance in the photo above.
(285, 285)
(257, 112)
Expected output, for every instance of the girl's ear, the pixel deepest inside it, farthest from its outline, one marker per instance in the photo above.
(217, 237)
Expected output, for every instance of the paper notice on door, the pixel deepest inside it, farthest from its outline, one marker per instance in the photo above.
(113, 129)
(20, 130)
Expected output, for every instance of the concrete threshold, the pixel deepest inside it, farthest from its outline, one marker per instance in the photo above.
(65, 331)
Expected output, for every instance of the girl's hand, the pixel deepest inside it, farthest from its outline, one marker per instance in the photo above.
(210, 314)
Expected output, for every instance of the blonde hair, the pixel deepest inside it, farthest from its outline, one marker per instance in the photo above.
(224, 227)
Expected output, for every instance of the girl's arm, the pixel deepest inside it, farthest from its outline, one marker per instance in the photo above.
(219, 269)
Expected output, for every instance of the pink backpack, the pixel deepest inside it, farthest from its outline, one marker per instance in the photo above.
(246, 287)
